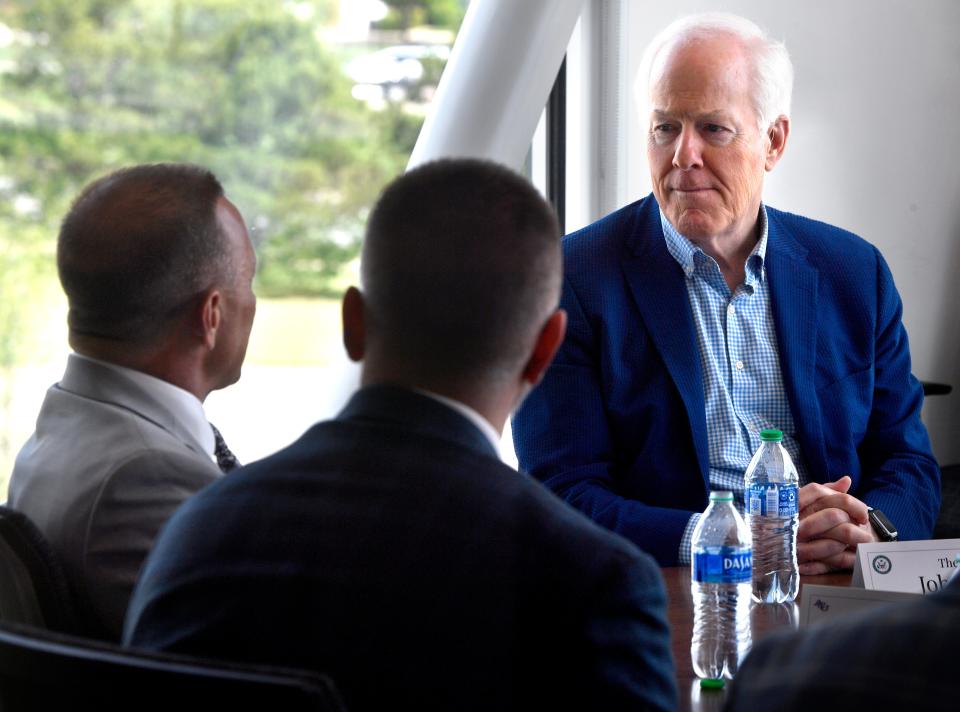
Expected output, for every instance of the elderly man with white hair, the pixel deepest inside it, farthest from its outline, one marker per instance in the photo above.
(699, 316)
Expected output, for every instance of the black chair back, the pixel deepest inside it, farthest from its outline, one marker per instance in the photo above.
(33, 587)
(41, 670)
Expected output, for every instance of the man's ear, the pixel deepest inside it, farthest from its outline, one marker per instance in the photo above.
(210, 318)
(549, 340)
(778, 133)
(354, 328)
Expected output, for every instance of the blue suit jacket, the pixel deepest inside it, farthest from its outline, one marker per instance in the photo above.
(618, 426)
(393, 550)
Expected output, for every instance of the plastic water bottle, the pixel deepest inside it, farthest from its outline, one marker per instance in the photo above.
(720, 570)
(771, 494)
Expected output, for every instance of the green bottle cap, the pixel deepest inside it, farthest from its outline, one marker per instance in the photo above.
(712, 683)
(721, 496)
(771, 435)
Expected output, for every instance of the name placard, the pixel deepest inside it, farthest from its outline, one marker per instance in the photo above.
(823, 603)
(908, 566)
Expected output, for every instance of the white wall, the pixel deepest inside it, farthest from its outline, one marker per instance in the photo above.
(874, 148)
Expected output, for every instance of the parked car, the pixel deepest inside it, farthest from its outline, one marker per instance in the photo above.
(394, 73)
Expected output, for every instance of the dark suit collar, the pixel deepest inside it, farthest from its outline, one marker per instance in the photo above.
(417, 413)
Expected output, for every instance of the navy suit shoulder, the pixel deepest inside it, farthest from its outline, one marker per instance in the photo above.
(604, 239)
(602, 246)
(897, 657)
(833, 250)
(815, 230)
(391, 545)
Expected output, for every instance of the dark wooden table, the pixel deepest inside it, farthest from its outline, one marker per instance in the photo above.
(763, 620)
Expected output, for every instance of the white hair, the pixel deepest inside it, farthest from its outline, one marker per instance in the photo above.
(772, 68)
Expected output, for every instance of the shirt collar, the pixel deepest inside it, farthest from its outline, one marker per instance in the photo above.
(185, 406)
(483, 425)
(687, 254)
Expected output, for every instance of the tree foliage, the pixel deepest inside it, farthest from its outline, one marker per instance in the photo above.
(247, 88)
(244, 87)
(404, 14)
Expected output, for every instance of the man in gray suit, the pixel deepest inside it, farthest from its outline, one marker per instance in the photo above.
(157, 267)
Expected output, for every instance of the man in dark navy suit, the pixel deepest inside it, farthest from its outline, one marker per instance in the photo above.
(390, 547)
(895, 657)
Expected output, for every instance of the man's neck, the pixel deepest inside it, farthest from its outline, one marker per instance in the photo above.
(731, 250)
(166, 364)
(180, 410)
(483, 425)
(490, 402)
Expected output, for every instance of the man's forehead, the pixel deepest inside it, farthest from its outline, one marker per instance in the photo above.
(668, 112)
(712, 49)
(694, 89)
(715, 61)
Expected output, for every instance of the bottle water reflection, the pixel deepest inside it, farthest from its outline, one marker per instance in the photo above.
(774, 616)
(764, 618)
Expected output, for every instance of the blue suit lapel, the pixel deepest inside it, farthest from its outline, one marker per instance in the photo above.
(657, 284)
(793, 292)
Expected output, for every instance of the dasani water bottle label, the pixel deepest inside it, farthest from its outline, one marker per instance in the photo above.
(770, 499)
(723, 564)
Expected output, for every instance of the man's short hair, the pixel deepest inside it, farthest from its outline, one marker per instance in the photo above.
(772, 68)
(137, 247)
(461, 267)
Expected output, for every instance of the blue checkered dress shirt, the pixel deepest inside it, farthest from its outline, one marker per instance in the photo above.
(742, 382)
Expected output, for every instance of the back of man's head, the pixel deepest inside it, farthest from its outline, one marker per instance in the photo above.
(137, 248)
(461, 267)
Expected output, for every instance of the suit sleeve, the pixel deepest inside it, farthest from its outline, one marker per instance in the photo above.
(133, 504)
(628, 635)
(899, 473)
(563, 437)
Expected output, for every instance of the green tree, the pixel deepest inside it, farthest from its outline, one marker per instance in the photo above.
(244, 87)
(404, 14)
(241, 86)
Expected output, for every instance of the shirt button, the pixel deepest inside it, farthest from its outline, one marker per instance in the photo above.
(739, 365)
(730, 309)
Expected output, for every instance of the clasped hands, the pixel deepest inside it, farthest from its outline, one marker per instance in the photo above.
(832, 523)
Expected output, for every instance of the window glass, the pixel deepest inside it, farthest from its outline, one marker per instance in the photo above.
(304, 110)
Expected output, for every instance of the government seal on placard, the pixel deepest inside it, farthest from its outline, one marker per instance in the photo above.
(882, 564)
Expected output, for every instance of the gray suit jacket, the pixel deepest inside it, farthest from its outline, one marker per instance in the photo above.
(104, 470)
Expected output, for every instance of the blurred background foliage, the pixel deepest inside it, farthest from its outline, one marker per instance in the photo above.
(245, 87)
(253, 89)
